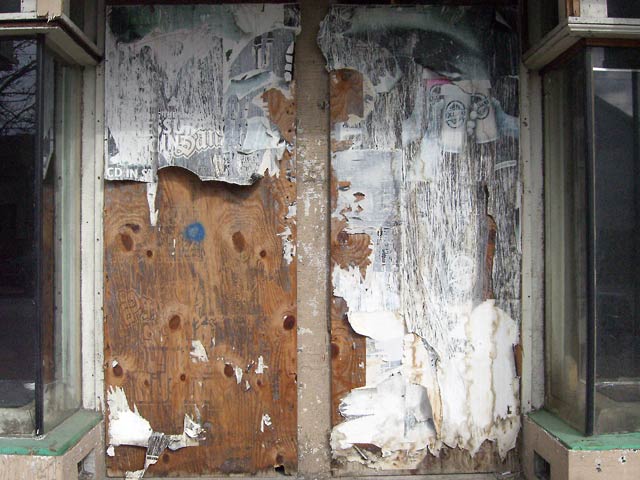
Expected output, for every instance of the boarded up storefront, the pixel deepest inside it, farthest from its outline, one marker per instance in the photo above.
(201, 246)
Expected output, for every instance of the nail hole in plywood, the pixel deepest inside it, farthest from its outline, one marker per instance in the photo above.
(289, 322)
(174, 322)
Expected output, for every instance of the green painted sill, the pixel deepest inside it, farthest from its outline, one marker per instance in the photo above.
(574, 440)
(57, 441)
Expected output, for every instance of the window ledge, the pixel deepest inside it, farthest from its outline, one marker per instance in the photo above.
(572, 30)
(65, 38)
(55, 443)
(574, 440)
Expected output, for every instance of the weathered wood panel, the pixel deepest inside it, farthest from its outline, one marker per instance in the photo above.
(425, 258)
(195, 306)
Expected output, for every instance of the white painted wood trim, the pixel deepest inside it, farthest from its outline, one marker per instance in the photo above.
(593, 8)
(87, 242)
(28, 6)
(532, 231)
(12, 17)
(91, 232)
(550, 47)
(558, 40)
(596, 28)
(57, 40)
(49, 8)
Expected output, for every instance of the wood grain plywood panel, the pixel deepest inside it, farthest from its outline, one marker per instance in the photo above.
(348, 348)
(212, 271)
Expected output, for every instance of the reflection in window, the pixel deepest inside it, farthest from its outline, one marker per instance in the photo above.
(18, 79)
(623, 8)
(592, 233)
(39, 238)
(617, 256)
(542, 17)
(9, 6)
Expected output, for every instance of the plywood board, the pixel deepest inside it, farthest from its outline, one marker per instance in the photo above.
(193, 307)
(425, 255)
(200, 279)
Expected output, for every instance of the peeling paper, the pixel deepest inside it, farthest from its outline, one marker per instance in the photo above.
(261, 366)
(288, 245)
(394, 416)
(198, 352)
(152, 190)
(432, 159)
(127, 427)
(188, 77)
(238, 373)
(265, 421)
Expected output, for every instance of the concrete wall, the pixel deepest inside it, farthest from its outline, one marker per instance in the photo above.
(89, 451)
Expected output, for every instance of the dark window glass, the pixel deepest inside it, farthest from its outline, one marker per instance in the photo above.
(616, 108)
(592, 238)
(76, 12)
(9, 6)
(542, 17)
(39, 238)
(18, 79)
(623, 8)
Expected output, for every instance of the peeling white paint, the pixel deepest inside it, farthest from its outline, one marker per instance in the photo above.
(378, 291)
(291, 212)
(394, 416)
(152, 190)
(198, 352)
(265, 421)
(238, 372)
(288, 245)
(261, 366)
(126, 426)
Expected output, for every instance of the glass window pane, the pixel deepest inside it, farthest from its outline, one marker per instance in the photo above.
(565, 241)
(542, 17)
(83, 13)
(623, 8)
(61, 232)
(9, 6)
(617, 218)
(18, 69)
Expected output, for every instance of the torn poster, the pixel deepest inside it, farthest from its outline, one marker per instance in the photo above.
(128, 427)
(184, 87)
(424, 112)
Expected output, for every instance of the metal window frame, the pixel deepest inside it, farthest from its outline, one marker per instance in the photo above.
(38, 184)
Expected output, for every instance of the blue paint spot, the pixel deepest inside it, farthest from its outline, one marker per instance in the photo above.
(194, 232)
